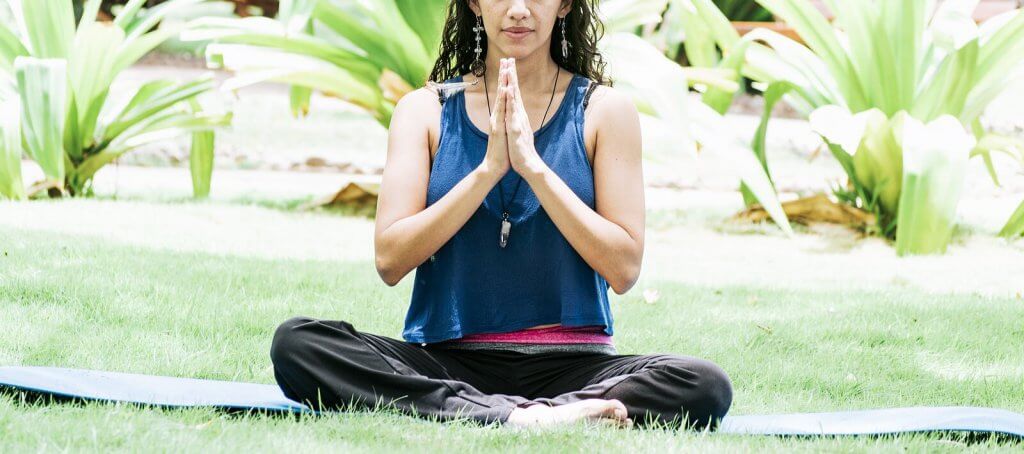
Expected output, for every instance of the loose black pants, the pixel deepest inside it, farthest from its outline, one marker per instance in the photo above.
(330, 366)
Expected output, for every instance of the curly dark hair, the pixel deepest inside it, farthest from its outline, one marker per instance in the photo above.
(583, 29)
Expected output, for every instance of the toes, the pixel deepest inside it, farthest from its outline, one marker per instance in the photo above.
(617, 408)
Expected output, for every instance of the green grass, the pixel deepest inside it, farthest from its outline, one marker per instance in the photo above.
(78, 301)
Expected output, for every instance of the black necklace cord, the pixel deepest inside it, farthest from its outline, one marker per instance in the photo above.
(501, 193)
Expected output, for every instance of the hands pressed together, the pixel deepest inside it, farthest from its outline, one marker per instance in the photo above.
(510, 127)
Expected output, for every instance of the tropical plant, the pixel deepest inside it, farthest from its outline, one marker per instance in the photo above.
(894, 57)
(240, 7)
(62, 73)
(369, 53)
(673, 123)
(360, 52)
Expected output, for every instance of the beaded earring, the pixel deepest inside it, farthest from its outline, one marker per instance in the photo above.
(478, 67)
(565, 43)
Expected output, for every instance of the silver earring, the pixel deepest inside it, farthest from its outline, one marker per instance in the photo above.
(478, 67)
(565, 44)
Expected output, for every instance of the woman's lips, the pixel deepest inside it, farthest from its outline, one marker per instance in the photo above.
(517, 34)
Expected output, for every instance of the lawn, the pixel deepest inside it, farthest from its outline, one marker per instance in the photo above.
(196, 290)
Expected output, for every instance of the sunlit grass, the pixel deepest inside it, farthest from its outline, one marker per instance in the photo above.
(78, 301)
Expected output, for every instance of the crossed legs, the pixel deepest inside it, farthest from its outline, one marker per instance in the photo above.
(328, 364)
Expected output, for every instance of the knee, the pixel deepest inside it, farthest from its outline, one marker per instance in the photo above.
(291, 341)
(704, 392)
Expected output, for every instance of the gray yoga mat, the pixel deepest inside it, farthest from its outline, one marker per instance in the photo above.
(191, 392)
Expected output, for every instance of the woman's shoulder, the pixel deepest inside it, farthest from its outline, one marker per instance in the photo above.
(609, 106)
(426, 96)
(420, 105)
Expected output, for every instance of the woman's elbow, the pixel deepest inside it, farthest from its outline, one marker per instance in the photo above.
(626, 279)
(387, 271)
(389, 277)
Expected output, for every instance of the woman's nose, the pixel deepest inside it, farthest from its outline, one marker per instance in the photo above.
(518, 10)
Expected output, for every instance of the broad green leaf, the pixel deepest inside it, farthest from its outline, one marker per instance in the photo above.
(89, 12)
(772, 95)
(814, 29)
(989, 143)
(166, 126)
(626, 15)
(256, 65)
(878, 162)
(904, 24)
(129, 13)
(1015, 225)
(935, 162)
(90, 72)
(295, 15)
(10, 48)
(840, 127)
(999, 61)
(130, 52)
(699, 42)
(48, 26)
(717, 24)
(155, 99)
(946, 92)
(42, 85)
(844, 132)
(11, 185)
(298, 98)
(719, 99)
(150, 18)
(426, 18)
(382, 34)
(200, 156)
(787, 60)
(871, 53)
(357, 65)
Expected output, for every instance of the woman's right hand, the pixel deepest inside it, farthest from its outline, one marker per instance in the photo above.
(497, 159)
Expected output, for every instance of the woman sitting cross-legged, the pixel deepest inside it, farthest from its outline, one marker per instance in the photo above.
(514, 187)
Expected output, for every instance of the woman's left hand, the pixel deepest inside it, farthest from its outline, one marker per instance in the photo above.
(521, 151)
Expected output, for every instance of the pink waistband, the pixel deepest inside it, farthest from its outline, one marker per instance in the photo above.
(593, 334)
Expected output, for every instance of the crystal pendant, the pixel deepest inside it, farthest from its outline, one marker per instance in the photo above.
(506, 227)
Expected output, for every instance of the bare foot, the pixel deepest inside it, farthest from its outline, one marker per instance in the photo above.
(599, 411)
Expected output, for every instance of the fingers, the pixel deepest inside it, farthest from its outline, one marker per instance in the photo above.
(512, 81)
(516, 95)
(499, 111)
(515, 110)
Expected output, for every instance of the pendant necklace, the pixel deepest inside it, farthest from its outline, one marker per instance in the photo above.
(506, 225)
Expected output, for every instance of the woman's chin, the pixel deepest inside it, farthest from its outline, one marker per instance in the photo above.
(518, 51)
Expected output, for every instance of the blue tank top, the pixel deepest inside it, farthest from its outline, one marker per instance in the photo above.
(472, 285)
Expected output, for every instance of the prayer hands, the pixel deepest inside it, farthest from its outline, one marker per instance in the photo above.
(522, 154)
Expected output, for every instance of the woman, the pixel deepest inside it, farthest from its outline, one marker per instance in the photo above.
(509, 319)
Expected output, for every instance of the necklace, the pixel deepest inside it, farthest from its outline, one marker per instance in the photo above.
(506, 225)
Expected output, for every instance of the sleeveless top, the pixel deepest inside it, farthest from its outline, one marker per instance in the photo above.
(472, 285)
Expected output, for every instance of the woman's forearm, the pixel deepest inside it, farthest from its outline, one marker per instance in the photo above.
(409, 241)
(610, 249)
